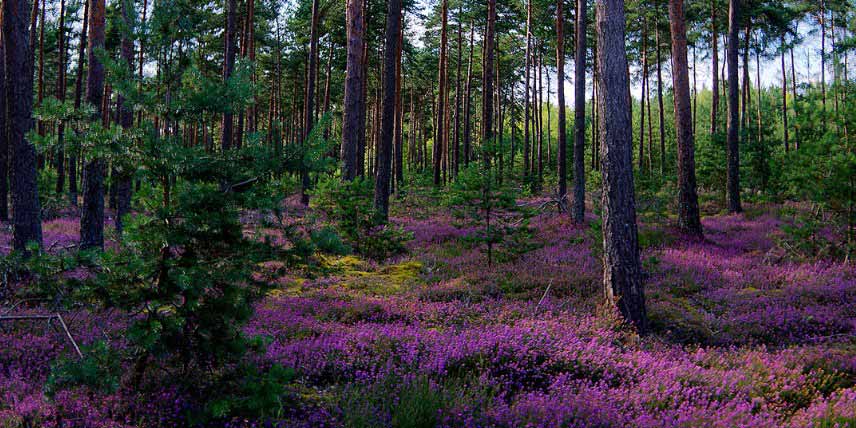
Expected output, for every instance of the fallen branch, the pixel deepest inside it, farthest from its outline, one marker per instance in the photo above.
(544, 296)
(48, 318)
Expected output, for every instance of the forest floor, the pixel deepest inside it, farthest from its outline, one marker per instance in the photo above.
(744, 335)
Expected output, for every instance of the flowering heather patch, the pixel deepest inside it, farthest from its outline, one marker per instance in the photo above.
(435, 338)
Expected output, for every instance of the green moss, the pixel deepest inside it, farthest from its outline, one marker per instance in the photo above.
(679, 319)
(360, 276)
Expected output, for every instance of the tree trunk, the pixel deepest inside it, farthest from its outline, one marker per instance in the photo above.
(622, 272)
(309, 100)
(399, 112)
(92, 219)
(714, 57)
(60, 95)
(527, 155)
(487, 85)
(126, 118)
(381, 191)
(689, 220)
(468, 102)
(733, 144)
(353, 90)
(228, 67)
(784, 95)
(822, 21)
(580, 115)
(660, 103)
(560, 97)
(4, 133)
(439, 135)
(457, 132)
(644, 55)
(26, 212)
(78, 95)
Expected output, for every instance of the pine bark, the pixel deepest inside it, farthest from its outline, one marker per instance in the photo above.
(689, 220)
(384, 154)
(309, 100)
(580, 115)
(488, 84)
(622, 273)
(714, 57)
(60, 95)
(4, 137)
(440, 134)
(560, 97)
(78, 95)
(92, 218)
(353, 90)
(226, 130)
(26, 213)
(733, 142)
(126, 118)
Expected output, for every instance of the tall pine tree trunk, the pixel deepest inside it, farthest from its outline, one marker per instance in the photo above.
(714, 57)
(733, 143)
(660, 103)
(560, 97)
(353, 90)
(92, 218)
(440, 133)
(126, 117)
(622, 272)
(4, 135)
(309, 100)
(468, 102)
(458, 95)
(78, 96)
(689, 219)
(384, 153)
(26, 212)
(487, 84)
(228, 66)
(60, 95)
(580, 115)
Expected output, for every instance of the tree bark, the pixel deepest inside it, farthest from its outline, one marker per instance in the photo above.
(527, 155)
(228, 66)
(622, 272)
(78, 95)
(580, 115)
(689, 220)
(733, 143)
(309, 100)
(382, 179)
(26, 212)
(468, 102)
(714, 57)
(353, 90)
(457, 131)
(487, 85)
(439, 135)
(4, 134)
(560, 97)
(660, 102)
(784, 95)
(60, 95)
(126, 118)
(92, 219)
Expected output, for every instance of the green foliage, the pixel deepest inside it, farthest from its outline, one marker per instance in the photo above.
(349, 205)
(100, 369)
(249, 392)
(328, 241)
(414, 403)
(478, 201)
